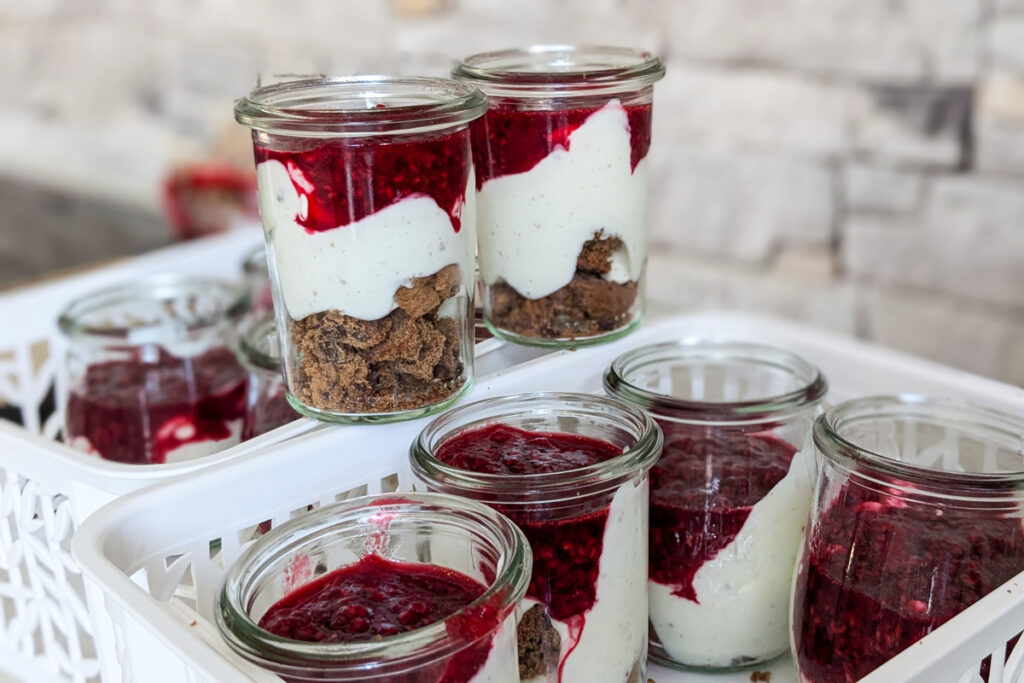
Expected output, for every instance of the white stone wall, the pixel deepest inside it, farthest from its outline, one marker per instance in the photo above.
(854, 163)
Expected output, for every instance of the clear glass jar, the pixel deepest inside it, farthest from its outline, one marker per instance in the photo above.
(730, 494)
(474, 643)
(585, 612)
(266, 407)
(256, 273)
(562, 190)
(368, 209)
(917, 515)
(150, 375)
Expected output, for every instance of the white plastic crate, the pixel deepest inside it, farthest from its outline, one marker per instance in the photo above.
(47, 489)
(155, 558)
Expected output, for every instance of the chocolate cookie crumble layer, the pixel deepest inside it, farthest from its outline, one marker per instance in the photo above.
(406, 360)
(539, 644)
(588, 306)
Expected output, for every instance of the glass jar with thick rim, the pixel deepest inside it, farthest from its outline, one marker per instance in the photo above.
(561, 179)
(452, 545)
(368, 209)
(730, 493)
(150, 375)
(917, 515)
(571, 470)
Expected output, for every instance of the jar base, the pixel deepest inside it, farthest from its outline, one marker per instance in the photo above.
(657, 655)
(565, 342)
(377, 418)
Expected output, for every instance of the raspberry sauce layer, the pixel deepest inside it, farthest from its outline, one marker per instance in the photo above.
(137, 411)
(371, 598)
(502, 449)
(703, 488)
(508, 139)
(343, 181)
(375, 598)
(881, 573)
(566, 552)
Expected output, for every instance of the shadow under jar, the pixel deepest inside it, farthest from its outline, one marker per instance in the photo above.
(367, 202)
(571, 471)
(730, 494)
(150, 374)
(561, 179)
(259, 350)
(404, 588)
(917, 515)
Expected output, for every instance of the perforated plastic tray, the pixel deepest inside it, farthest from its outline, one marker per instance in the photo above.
(149, 554)
(47, 488)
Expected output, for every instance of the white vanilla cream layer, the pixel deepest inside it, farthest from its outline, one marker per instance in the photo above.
(188, 451)
(357, 268)
(502, 665)
(201, 449)
(532, 225)
(614, 635)
(744, 591)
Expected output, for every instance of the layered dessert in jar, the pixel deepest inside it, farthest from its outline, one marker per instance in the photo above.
(150, 376)
(730, 494)
(420, 588)
(367, 202)
(266, 407)
(917, 516)
(561, 180)
(580, 497)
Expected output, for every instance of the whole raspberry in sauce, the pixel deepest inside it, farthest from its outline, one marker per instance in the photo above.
(702, 490)
(509, 139)
(138, 411)
(346, 180)
(881, 572)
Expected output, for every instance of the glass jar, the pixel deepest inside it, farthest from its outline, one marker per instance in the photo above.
(585, 613)
(366, 197)
(476, 643)
(150, 376)
(917, 515)
(256, 273)
(561, 173)
(266, 407)
(730, 494)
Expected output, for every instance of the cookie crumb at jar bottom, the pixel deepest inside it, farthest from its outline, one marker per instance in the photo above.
(407, 360)
(590, 305)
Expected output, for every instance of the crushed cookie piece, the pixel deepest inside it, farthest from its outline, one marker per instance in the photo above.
(408, 359)
(588, 306)
(757, 676)
(596, 256)
(539, 644)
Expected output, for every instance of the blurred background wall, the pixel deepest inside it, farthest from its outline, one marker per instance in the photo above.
(854, 163)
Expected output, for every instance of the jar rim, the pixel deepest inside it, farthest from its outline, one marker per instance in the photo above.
(560, 69)
(252, 344)
(617, 381)
(232, 302)
(995, 424)
(548, 487)
(360, 106)
(429, 643)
